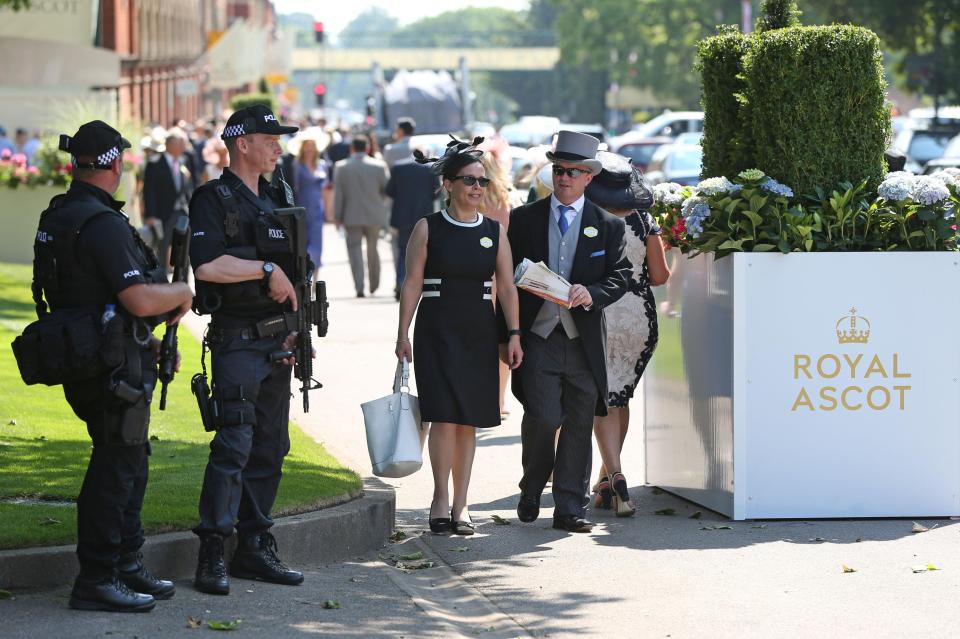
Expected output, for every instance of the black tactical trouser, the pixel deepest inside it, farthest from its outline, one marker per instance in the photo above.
(246, 454)
(109, 503)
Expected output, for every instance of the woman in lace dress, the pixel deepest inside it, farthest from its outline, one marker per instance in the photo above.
(631, 321)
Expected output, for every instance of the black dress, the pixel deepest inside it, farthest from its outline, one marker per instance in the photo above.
(455, 338)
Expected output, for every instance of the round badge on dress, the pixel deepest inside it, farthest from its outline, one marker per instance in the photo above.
(590, 231)
(486, 242)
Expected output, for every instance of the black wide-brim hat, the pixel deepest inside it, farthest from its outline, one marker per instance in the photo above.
(256, 118)
(619, 185)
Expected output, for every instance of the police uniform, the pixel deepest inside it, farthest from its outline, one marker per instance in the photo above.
(86, 253)
(252, 394)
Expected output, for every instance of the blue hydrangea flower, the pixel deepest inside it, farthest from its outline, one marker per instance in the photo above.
(897, 187)
(695, 210)
(668, 193)
(715, 185)
(928, 190)
(776, 188)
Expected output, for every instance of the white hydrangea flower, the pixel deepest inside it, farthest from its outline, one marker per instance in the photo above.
(928, 190)
(899, 174)
(948, 178)
(715, 185)
(897, 187)
(668, 193)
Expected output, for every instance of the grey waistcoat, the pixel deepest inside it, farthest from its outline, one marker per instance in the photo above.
(566, 248)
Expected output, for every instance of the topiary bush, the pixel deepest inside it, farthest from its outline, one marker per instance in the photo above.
(817, 111)
(243, 100)
(726, 150)
(778, 14)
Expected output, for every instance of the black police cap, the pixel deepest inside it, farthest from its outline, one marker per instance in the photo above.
(256, 118)
(95, 139)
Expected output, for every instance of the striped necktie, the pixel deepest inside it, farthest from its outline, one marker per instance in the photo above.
(562, 222)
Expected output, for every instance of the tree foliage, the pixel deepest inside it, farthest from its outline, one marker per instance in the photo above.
(16, 5)
(372, 28)
(778, 14)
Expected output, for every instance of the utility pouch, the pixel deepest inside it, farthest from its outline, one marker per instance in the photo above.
(68, 345)
(126, 424)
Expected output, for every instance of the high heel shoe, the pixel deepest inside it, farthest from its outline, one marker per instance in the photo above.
(621, 497)
(603, 493)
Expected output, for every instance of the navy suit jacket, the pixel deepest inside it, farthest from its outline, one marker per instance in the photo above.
(600, 264)
(413, 188)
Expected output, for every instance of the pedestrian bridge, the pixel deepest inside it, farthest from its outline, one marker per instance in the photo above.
(495, 59)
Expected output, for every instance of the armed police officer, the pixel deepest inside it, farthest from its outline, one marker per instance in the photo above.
(243, 260)
(96, 280)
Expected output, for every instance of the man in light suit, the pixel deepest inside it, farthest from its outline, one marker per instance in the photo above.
(400, 149)
(563, 378)
(359, 191)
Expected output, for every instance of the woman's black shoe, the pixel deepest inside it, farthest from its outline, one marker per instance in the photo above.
(441, 525)
(461, 527)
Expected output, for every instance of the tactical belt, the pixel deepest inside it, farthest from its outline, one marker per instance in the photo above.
(264, 328)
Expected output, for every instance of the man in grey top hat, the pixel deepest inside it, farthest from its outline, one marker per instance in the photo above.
(563, 379)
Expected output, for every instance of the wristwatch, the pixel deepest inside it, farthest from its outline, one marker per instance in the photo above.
(514, 331)
(267, 272)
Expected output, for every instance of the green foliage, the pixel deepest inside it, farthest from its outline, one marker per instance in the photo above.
(816, 107)
(720, 62)
(748, 216)
(44, 448)
(371, 28)
(243, 100)
(778, 14)
(16, 5)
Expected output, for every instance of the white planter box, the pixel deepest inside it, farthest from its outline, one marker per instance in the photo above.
(20, 211)
(769, 397)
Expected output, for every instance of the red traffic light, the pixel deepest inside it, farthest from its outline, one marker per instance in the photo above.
(318, 27)
(318, 32)
(320, 89)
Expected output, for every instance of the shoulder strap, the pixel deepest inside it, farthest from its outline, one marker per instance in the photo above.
(231, 208)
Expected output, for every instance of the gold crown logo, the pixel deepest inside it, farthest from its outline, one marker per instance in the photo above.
(858, 331)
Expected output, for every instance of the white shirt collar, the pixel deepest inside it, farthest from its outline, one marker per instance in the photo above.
(577, 205)
(172, 161)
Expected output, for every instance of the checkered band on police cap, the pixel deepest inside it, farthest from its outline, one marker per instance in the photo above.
(233, 131)
(106, 158)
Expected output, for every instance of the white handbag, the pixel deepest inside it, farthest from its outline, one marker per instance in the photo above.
(395, 434)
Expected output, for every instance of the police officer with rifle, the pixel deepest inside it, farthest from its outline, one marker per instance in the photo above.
(243, 262)
(99, 292)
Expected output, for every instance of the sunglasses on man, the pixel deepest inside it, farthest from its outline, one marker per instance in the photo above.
(571, 172)
(469, 180)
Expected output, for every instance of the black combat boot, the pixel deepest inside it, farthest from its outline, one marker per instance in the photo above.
(138, 579)
(211, 571)
(256, 558)
(110, 594)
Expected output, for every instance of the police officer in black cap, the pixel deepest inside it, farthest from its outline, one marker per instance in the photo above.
(243, 263)
(89, 259)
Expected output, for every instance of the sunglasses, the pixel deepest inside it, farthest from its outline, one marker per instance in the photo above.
(469, 180)
(570, 172)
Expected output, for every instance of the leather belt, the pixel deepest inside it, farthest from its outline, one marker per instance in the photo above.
(267, 327)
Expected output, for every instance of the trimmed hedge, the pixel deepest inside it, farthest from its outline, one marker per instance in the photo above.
(243, 100)
(817, 106)
(778, 14)
(726, 151)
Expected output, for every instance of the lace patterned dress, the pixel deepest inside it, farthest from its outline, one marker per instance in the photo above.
(632, 320)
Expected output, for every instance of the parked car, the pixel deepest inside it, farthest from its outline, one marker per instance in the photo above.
(690, 137)
(680, 163)
(949, 159)
(638, 148)
(671, 124)
(595, 130)
(921, 145)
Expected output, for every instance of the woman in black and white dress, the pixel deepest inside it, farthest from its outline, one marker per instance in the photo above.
(631, 321)
(452, 259)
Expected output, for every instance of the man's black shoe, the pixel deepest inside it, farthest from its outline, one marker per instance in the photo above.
(256, 558)
(528, 509)
(211, 571)
(572, 523)
(138, 579)
(111, 595)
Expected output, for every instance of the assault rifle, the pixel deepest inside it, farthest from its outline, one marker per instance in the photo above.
(311, 300)
(179, 258)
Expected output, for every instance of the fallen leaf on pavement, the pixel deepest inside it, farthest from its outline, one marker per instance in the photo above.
(356, 580)
(924, 568)
(6, 594)
(397, 536)
(917, 528)
(459, 549)
(414, 556)
(665, 511)
(500, 521)
(816, 539)
(224, 625)
(696, 515)
(759, 526)
(194, 623)
(331, 604)
(422, 565)
(712, 527)
(847, 568)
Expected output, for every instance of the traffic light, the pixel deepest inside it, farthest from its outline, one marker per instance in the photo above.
(318, 32)
(320, 91)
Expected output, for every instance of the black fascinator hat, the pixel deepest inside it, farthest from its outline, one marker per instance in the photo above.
(457, 155)
(619, 185)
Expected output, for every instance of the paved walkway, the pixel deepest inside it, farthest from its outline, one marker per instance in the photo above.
(649, 576)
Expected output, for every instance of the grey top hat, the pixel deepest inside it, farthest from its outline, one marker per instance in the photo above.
(576, 148)
(619, 186)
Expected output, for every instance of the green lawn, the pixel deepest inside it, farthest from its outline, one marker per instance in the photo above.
(44, 448)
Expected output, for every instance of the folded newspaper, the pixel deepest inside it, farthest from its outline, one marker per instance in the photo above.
(542, 282)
